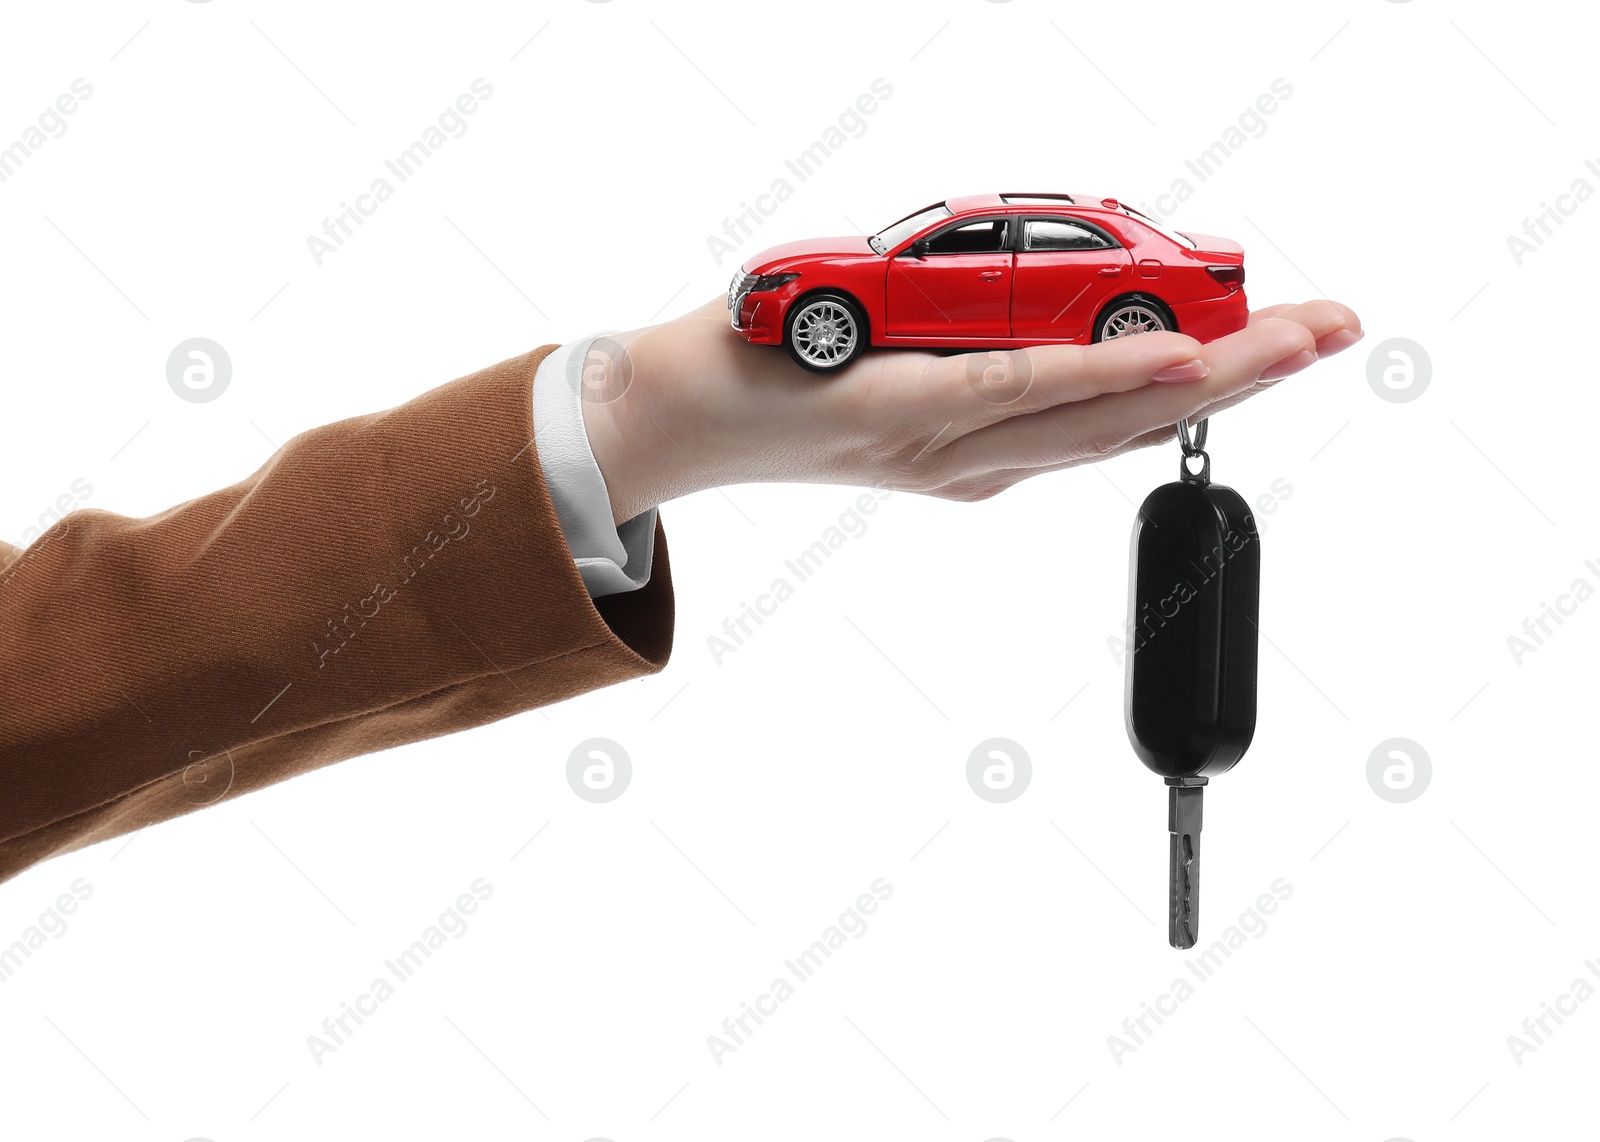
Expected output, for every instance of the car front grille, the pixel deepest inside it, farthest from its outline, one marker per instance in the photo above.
(741, 282)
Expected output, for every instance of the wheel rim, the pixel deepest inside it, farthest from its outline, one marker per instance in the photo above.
(1133, 318)
(825, 333)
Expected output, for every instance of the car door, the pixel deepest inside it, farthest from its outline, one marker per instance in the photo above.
(1065, 270)
(958, 286)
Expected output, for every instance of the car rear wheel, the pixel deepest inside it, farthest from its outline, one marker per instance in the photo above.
(1130, 316)
(825, 332)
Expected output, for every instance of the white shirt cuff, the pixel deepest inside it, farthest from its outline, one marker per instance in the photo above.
(611, 558)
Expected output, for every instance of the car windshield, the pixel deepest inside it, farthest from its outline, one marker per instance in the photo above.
(1160, 229)
(892, 236)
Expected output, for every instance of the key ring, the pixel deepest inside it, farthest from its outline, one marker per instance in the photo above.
(1191, 449)
(1199, 437)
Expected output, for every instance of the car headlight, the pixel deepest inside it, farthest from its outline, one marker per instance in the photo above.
(744, 283)
(772, 282)
(756, 283)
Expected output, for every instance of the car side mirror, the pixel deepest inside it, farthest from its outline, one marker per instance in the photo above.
(919, 248)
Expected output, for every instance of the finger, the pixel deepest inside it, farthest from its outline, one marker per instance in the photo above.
(1271, 311)
(975, 389)
(1325, 320)
(1351, 316)
(1023, 381)
(1337, 342)
(1271, 377)
(1335, 327)
(1284, 309)
(1332, 343)
(1098, 427)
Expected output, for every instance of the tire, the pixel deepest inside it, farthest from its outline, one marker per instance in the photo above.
(824, 332)
(1130, 315)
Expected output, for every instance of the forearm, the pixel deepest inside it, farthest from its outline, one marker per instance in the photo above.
(379, 580)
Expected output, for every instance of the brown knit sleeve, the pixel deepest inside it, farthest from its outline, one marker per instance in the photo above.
(379, 580)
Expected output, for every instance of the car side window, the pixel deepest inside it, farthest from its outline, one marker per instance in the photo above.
(1055, 234)
(990, 236)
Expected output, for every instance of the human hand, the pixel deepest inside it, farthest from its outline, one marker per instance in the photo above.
(689, 405)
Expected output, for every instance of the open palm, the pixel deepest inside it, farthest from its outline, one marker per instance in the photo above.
(688, 404)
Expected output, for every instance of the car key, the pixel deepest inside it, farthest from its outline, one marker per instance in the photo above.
(1190, 702)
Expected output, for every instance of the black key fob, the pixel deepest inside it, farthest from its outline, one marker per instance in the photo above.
(1190, 703)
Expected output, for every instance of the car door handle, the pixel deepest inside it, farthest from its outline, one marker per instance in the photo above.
(991, 275)
(1110, 271)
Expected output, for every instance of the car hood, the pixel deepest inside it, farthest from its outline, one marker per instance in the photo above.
(769, 260)
(1212, 246)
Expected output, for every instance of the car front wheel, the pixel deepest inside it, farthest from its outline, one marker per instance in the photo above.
(825, 332)
(1129, 316)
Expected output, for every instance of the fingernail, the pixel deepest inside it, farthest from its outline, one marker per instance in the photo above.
(1192, 370)
(1340, 339)
(1288, 365)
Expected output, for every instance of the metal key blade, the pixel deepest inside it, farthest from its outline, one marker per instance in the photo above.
(1183, 822)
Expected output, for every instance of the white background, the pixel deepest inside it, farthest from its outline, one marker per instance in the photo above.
(769, 791)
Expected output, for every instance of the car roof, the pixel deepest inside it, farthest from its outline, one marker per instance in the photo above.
(1025, 201)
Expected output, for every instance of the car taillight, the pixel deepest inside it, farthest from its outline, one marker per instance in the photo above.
(1230, 276)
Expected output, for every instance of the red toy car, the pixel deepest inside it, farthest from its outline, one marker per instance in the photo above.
(993, 271)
